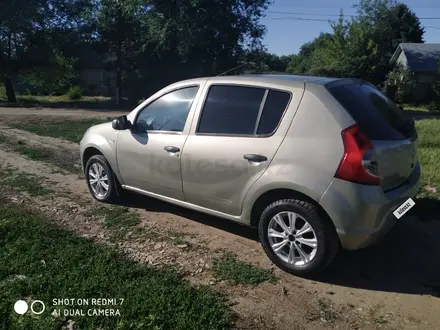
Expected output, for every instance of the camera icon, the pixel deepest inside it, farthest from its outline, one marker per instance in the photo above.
(37, 307)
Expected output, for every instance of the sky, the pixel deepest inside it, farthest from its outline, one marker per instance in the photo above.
(291, 23)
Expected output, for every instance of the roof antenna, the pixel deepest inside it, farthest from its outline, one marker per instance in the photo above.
(237, 67)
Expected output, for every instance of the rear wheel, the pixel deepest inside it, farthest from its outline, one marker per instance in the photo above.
(297, 238)
(100, 179)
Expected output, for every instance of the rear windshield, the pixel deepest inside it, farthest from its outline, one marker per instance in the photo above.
(378, 117)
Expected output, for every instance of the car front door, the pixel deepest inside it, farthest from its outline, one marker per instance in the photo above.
(238, 132)
(148, 155)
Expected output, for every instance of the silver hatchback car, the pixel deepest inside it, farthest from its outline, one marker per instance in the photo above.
(314, 163)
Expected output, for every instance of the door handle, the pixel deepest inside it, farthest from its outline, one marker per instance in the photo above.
(255, 158)
(171, 149)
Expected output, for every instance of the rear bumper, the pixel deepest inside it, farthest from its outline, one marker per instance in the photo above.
(363, 214)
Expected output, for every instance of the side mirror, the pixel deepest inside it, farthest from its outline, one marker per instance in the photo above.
(121, 123)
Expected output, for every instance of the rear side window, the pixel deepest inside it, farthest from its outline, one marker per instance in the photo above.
(231, 110)
(276, 104)
(378, 117)
(239, 110)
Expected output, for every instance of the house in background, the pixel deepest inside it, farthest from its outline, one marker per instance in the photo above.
(421, 60)
(95, 75)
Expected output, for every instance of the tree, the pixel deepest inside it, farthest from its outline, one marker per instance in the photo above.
(15, 27)
(119, 26)
(27, 30)
(304, 61)
(351, 52)
(390, 23)
(436, 84)
(435, 104)
(264, 62)
(53, 79)
(208, 35)
(363, 46)
(195, 38)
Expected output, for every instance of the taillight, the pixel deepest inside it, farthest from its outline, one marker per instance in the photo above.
(358, 163)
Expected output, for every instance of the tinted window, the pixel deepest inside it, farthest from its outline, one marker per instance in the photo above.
(378, 116)
(167, 113)
(276, 103)
(231, 110)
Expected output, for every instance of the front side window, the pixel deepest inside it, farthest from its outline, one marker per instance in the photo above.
(167, 113)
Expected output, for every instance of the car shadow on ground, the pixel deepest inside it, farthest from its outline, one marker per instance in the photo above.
(405, 261)
(153, 205)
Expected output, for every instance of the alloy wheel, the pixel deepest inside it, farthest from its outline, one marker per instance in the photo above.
(98, 180)
(292, 238)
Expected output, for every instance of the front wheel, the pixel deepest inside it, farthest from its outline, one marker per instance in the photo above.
(100, 179)
(297, 238)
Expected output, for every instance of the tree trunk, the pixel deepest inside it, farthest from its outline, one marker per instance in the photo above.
(118, 73)
(10, 93)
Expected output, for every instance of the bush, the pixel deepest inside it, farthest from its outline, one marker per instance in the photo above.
(434, 106)
(74, 93)
(53, 77)
(400, 85)
(436, 89)
(389, 91)
(2, 92)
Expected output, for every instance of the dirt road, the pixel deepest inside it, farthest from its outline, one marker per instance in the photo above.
(394, 285)
(78, 113)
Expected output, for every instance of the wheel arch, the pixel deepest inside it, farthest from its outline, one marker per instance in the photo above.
(92, 150)
(89, 152)
(273, 195)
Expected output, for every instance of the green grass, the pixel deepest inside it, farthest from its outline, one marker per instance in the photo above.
(227, 267)
(24, 181)
(43, 155)
(41, 262)
(71, 130)
(32, 153)
(412, 107)
(63, 101)
(116, 216)
(119, 219)
(429, 153)
(428, 202)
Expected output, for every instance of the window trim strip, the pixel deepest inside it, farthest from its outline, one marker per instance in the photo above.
(260, 111)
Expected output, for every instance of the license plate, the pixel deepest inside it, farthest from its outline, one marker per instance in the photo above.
(405, 207)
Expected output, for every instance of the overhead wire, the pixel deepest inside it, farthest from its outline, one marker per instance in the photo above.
(329, 15)
(344, 6)
(296, 18)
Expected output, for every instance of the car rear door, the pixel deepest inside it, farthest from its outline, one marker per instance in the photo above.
(236, 133)
(392, 134)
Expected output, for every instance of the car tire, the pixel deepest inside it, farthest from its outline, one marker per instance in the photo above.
(106, 189)
(312, 260)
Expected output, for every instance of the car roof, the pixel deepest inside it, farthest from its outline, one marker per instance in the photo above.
(292, 78)
(281, 79)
